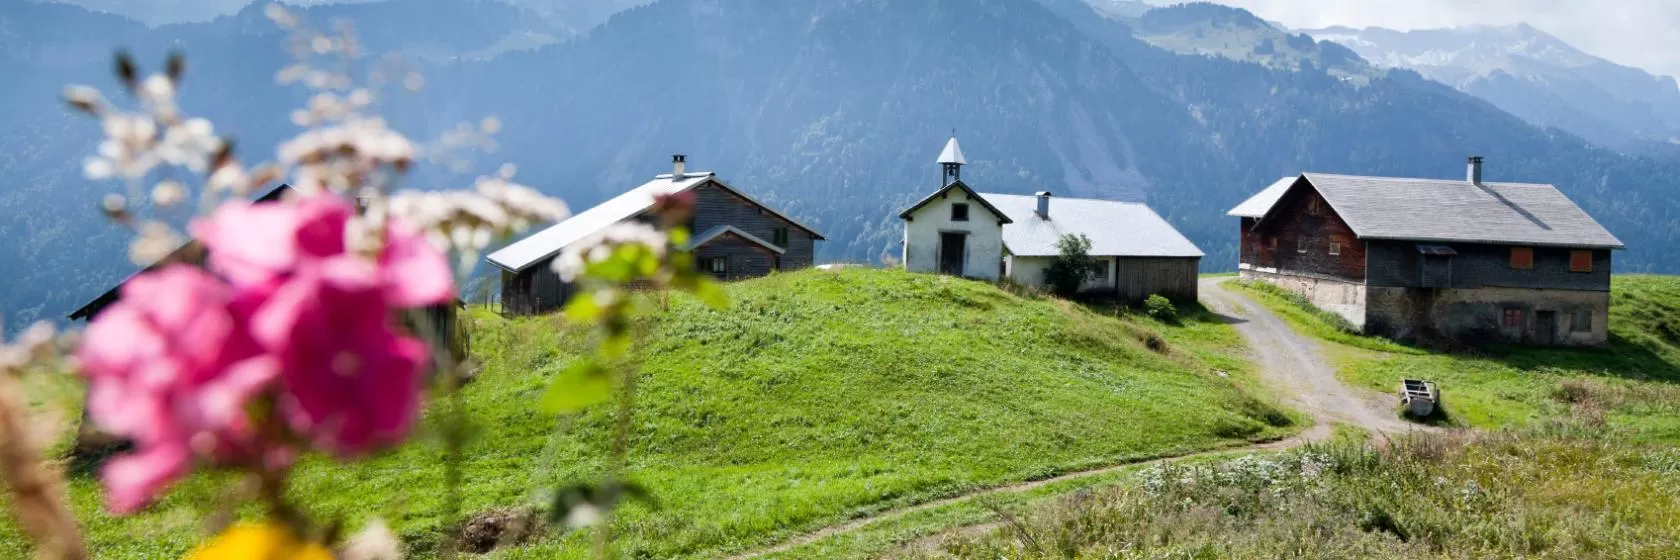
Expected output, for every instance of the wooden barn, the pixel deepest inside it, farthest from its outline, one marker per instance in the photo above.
(1467, 260)
(443, 319)
(733, 236)
(1138, 253)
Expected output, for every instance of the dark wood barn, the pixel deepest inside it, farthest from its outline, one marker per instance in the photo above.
(1463, 259)
(733, 236)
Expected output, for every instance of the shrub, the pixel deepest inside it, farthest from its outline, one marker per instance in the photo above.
(1160, 308)
(1072, 267)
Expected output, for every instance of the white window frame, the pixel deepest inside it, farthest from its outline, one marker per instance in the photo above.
(719, 265)
(1301, 245)
(1335, 248)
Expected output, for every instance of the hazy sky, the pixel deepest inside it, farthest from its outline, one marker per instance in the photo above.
(1639, 33)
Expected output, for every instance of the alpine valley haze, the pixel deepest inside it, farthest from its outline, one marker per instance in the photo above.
(829, 110)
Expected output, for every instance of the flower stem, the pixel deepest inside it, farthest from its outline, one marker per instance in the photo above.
(38, 496)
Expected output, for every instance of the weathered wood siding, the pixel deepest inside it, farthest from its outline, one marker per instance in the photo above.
(1137, 278)
(1397, 264)
(1296, 239)
(538, 289)
(745, 259)
(715, 206)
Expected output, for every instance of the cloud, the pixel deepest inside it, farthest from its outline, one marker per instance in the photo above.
(1636, 33)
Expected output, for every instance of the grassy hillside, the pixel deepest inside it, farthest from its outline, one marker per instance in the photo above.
(814, 397)
(1567, 490)
(1634, 383)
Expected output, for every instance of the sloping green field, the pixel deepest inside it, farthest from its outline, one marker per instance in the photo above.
(1634, 383)
(816, 396)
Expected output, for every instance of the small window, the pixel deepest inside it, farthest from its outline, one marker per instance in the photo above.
(1513, 318)
(1301, 245)
(719, 265)
(1522, 258)
(1313, 207)
(959, 212)
(1580, 320)
(1272, 242)
(779, 236)
(1580, 261)
(1099, 271)
(1335, 248)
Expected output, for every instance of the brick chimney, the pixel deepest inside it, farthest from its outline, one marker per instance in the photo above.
(678, 161)
(1474, 173)
(1043, 204)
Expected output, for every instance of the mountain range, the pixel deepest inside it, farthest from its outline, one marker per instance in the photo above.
(833, 111)
(1533, 75)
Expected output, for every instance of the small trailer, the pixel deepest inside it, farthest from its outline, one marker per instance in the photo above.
(1420, 397)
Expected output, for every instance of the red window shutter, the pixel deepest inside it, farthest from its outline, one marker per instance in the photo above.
(1522, 258)
(1580, 261)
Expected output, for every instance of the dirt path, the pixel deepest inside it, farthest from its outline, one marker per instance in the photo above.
(860, 522)
(1296, 364)
(1288, 359)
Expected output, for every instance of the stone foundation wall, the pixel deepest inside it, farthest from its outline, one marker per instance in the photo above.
(1337, 296)
(1547, 317)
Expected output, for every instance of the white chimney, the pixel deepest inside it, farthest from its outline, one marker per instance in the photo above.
(1043, 204)
(1474, 174)
(677, 163)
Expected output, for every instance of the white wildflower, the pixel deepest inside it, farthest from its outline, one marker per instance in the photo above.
(361, 98)
(190, 144)
(85, 98)
(577, 256)
(158, 88)
(155, 241)
(230, 178)
(114, 205)
(98, 168)
(291, 74)
(490, 125)
(168, 193)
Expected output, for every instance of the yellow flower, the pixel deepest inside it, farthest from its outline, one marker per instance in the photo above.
(259, 541)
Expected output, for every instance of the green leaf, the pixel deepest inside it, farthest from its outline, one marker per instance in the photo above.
(582, 308)
(710, 293)
(583, 384)
(615, 345)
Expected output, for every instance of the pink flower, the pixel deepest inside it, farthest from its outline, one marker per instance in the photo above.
(171, 366)
(258, 243)
(351, 382)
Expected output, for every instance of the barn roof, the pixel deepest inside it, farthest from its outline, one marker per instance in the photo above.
(548, 242)
(184, 253)
(1116, 229)
(1446, 210)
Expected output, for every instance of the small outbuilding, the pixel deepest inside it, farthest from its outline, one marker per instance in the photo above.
(1138, 253)
(960, 232)
(954, 230)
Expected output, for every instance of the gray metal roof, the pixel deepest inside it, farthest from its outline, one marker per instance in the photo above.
(550, 241)
(952, 153)
(1456, 211)
(1257, 205)
(1116, 229)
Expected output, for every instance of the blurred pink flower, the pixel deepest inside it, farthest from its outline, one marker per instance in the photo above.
(258, 243)
(171, 366)
(351, 382)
